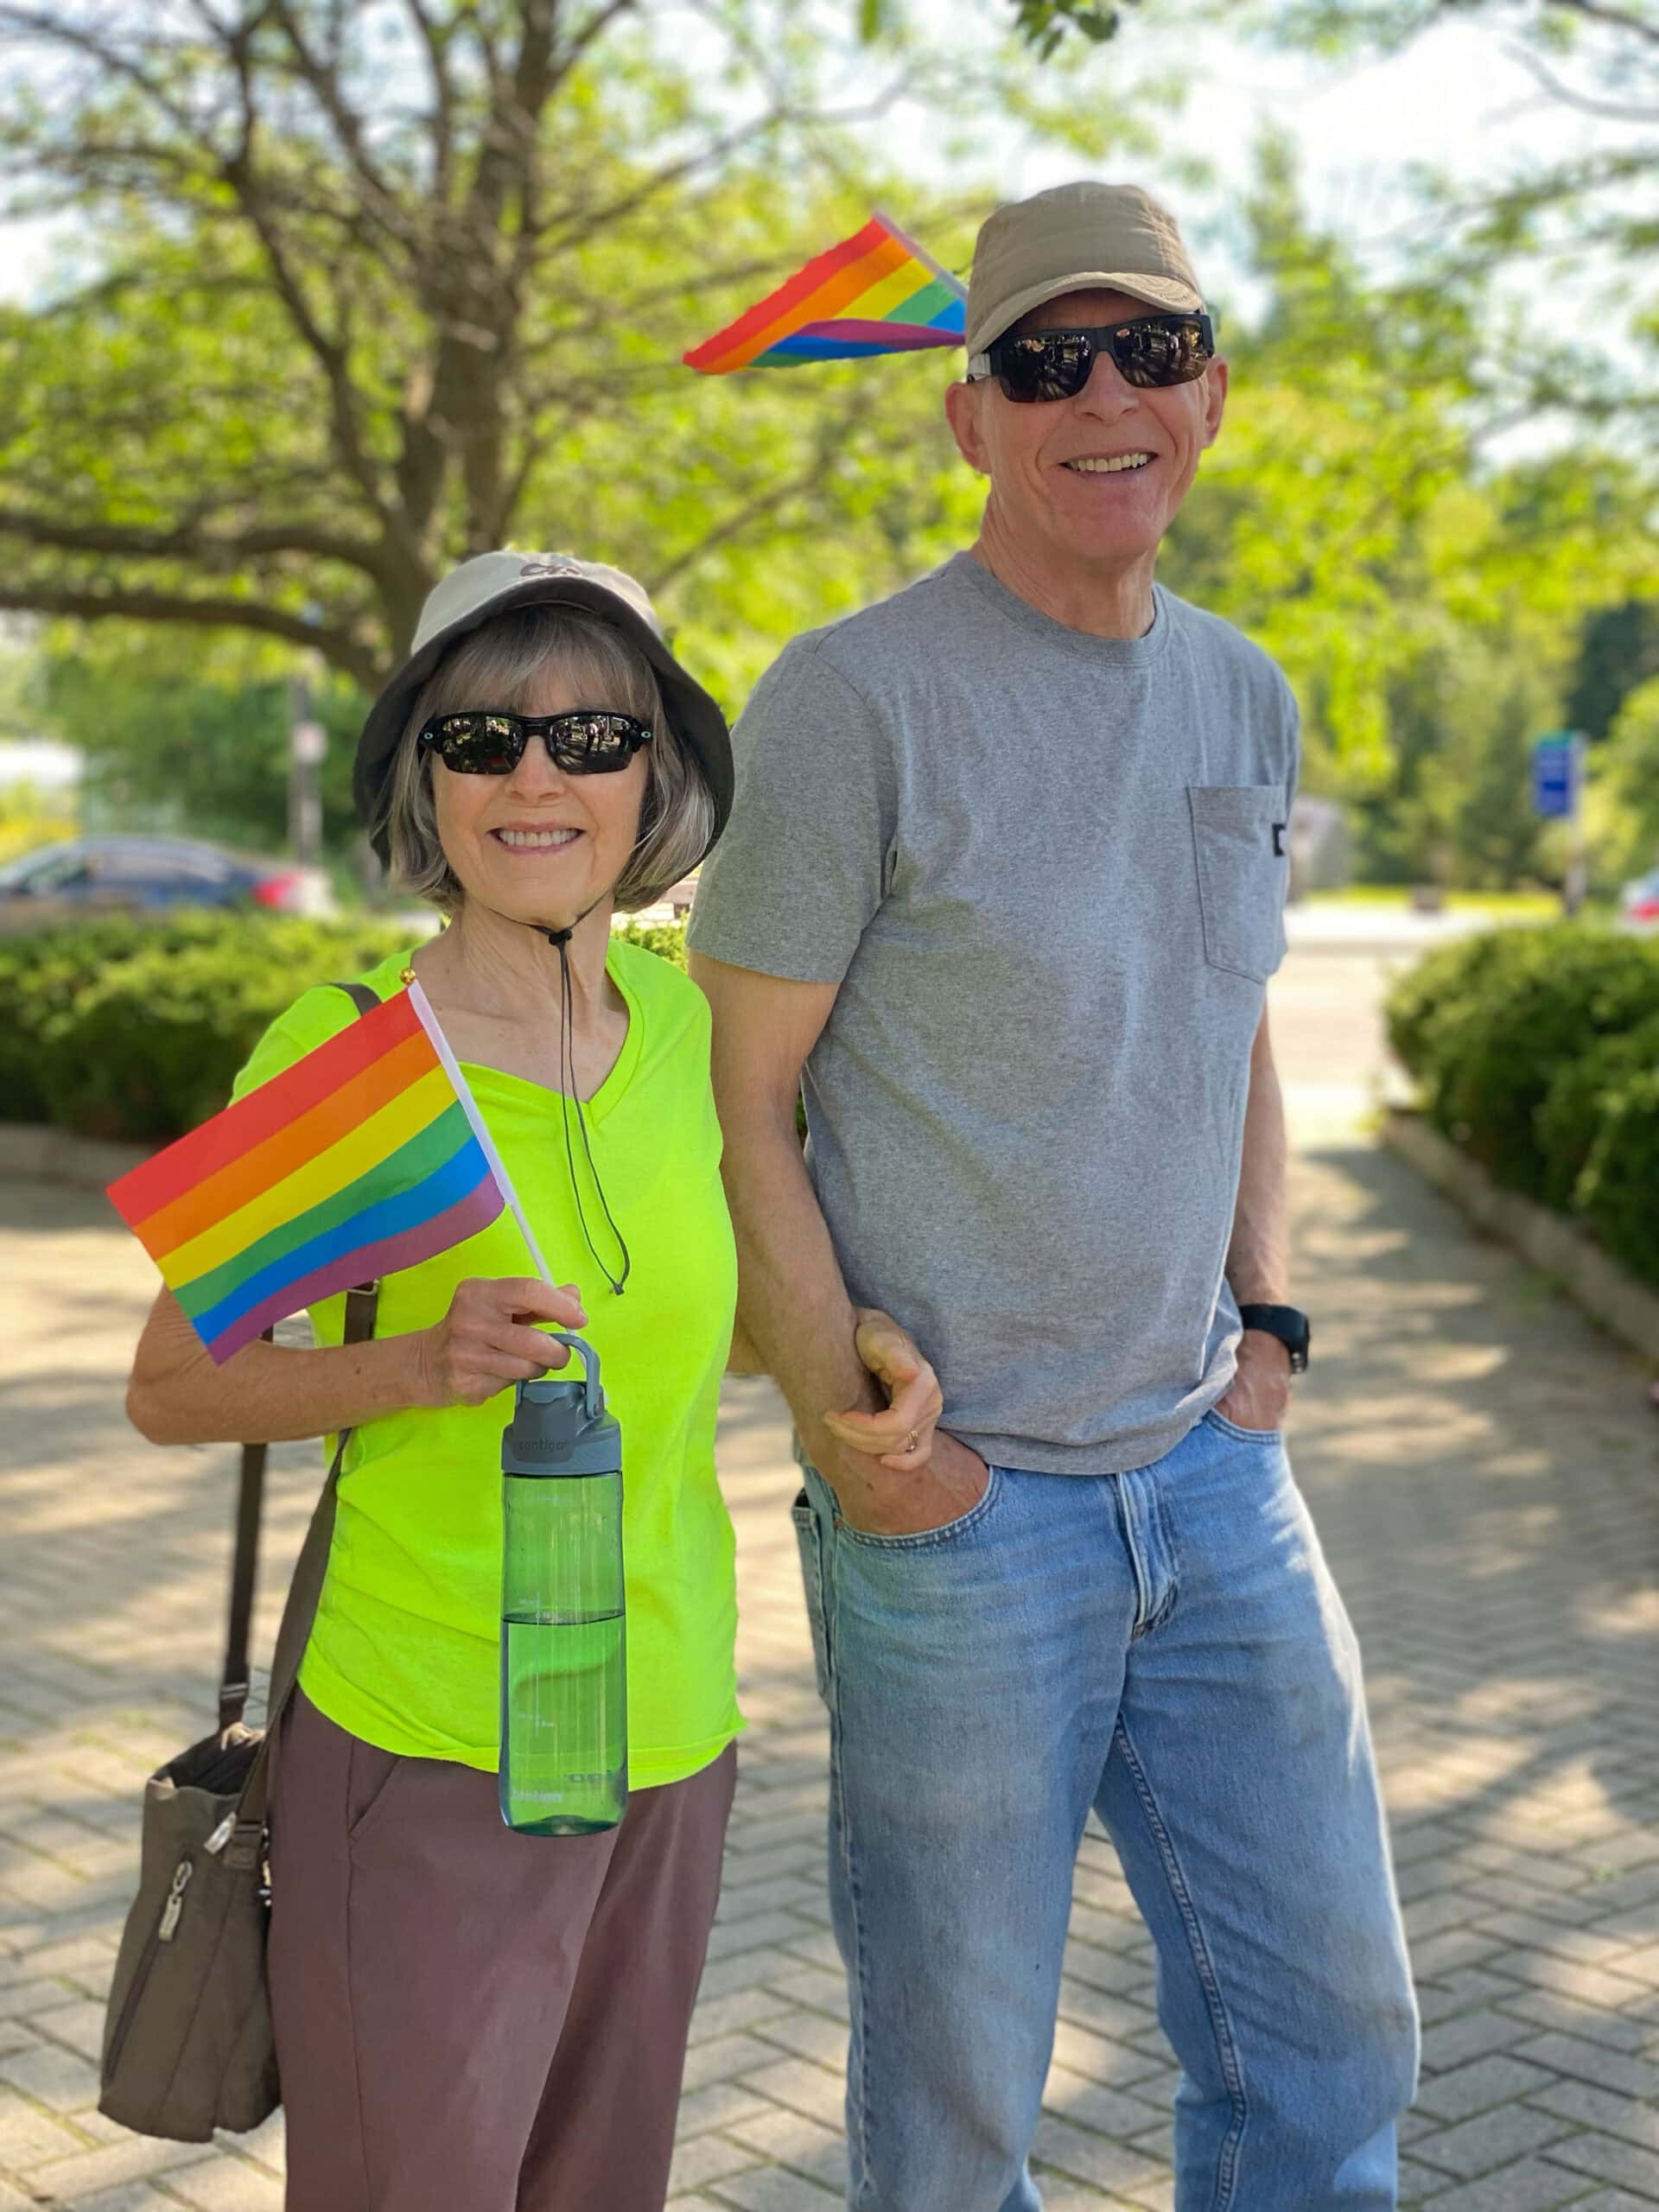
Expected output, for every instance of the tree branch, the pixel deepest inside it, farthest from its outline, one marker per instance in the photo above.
(1613, 110)
(1597, 11)
(219, 552)
(586, 219)
(52, 30)
(597, 24)
(84, 603)
(378, 200)
(238, 173)
(753, 511)
(443, 98)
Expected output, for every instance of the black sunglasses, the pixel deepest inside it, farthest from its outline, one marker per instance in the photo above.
(1151, 354)
(591, 741)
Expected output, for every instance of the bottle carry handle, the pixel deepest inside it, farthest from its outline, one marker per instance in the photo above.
(592, 1395)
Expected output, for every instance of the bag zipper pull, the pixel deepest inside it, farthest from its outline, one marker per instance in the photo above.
(221, 1836)
(174, 1905)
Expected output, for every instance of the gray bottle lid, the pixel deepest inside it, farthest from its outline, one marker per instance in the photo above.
(560, 1427)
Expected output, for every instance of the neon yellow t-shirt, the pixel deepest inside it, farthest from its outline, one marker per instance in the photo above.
(405, 1649)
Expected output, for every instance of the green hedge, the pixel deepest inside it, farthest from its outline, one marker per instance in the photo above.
(1618, 1191)
(1577, 1104)
(665, 939)
(135, 1030)
(1537, 1049)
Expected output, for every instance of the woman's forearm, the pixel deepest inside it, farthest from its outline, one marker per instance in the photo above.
(266, 1394)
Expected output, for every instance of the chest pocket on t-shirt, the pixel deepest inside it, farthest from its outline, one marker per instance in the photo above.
(1238, 838)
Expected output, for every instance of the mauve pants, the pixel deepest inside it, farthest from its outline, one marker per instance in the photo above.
(469, 2020)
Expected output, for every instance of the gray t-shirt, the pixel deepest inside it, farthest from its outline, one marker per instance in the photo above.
(1047, 871)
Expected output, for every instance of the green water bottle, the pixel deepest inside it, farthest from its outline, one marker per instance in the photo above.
(564, 1717)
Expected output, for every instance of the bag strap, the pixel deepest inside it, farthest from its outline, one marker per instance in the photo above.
(305, 1590)
(235, 1677)
(299, 1612)
(235, 1680)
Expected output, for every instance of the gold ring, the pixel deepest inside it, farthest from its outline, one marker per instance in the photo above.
(911, 1440)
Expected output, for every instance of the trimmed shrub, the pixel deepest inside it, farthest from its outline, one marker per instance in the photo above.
(1428, 1000)
(1577, 1104)
(1487, 1031)
(665, 939)
(1618, 1192)
(43, 972)
(136, 1031)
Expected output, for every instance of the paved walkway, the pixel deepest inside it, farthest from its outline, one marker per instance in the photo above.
(1486, 1472)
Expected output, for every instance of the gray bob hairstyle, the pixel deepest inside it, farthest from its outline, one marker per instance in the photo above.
(497, 666)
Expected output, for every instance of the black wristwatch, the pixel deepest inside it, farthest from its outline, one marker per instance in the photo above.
(1290, 1325)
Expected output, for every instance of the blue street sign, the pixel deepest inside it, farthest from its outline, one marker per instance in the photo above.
(1557, 775)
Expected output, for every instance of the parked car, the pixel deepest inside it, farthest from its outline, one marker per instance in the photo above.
(1642, 899)
(133, 875)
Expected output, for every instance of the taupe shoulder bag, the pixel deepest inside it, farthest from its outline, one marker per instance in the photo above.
(188, 2045)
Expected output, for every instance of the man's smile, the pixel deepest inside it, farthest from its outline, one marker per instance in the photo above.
(1115, 464)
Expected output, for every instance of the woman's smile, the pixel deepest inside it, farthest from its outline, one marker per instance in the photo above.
(546, 837)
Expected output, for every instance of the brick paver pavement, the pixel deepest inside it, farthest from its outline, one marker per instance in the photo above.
(1485, 1472)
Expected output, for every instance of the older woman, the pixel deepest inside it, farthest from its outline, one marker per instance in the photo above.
(465, 2017)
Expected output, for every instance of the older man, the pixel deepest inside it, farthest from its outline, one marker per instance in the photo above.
(1003, 883)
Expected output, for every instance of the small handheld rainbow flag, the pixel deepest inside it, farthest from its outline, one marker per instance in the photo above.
(877, 292)
(367, 1155)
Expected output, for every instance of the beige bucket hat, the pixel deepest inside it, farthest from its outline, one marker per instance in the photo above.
(493, 583)
(1077, 238)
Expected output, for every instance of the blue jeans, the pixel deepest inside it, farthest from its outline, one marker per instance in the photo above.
(1166, 1646)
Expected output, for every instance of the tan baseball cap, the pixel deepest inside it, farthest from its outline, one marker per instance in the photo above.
(494, 583)
(1076, 238)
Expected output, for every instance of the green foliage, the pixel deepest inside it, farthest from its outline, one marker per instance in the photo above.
(1577, 1104)
(1426, 607)
(43, 972)
(1622, 806)
(1574, 218)
(665, 939)
(1429, 1002)
(1618, 650)
(186, 436)
(1618, 1192)
(1043, 24)
(1488, 1027)
(1455, 807)
(135, 1030)
(357, 292)
(29, 818)
(137, 719)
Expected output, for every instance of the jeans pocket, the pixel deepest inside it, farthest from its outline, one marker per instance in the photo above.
(811, 1551)
(1237, 832)
(1273, 1436)
(926, 1539)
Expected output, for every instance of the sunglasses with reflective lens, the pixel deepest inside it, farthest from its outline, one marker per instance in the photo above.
(1152, 352)
(589, 741)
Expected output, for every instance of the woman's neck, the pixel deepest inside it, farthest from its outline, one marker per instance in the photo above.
(499, 970)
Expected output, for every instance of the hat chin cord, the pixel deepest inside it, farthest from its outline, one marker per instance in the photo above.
(560, 940)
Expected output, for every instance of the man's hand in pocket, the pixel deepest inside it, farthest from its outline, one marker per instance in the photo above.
(894, 1473)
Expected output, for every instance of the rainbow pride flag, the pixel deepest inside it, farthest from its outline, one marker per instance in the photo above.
(367, 1155)
(876, 292)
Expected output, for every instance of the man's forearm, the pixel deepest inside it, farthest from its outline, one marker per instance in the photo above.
(793, 1304)
(1258, 1256)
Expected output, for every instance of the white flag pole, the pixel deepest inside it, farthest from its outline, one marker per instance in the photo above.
(429, 1023)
